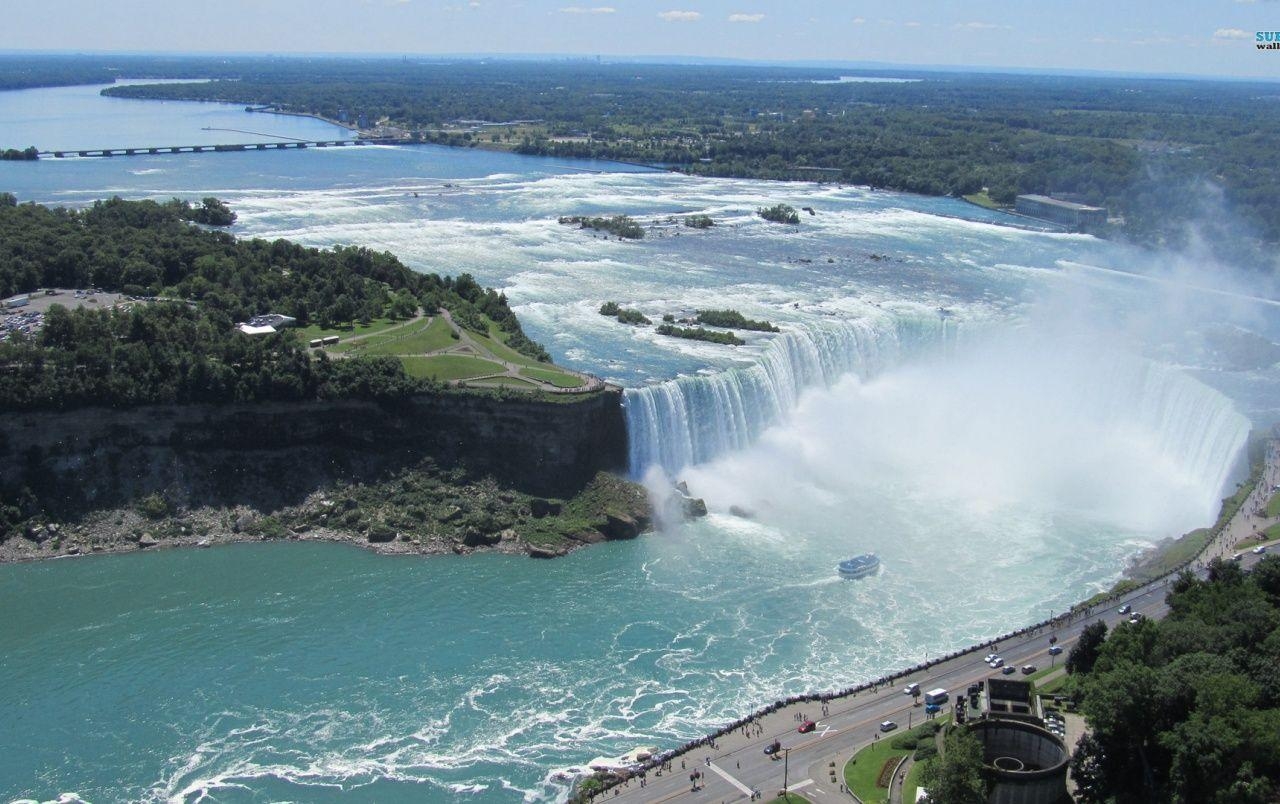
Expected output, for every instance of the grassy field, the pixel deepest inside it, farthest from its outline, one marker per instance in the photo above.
(504, 382)
(1273, 505)
(449, 367)
(312, 332)
(982, 200)
(862, 772)
(559, 379)
(790, 798)
(415, 339)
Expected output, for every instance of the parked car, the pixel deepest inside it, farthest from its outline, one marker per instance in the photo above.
(1054, 650)
(1009, 670)
(1028, 669)
(1260, 549)
(997, 662)
(1126, 608)
(989, 657)
(888, 725)
(807, 727)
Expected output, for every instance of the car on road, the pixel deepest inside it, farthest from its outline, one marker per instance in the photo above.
(911, 689)
(1135, 619)
(996, 662)
(807, 727)
(772, 748)
(1054, 650)
(989, 657)
(888, 725)
(1028, 669)
(1260, 549)
(1126, 608)
(1009, 670)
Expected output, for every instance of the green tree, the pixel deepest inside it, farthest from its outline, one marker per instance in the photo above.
(955, 776)
(1085, 652)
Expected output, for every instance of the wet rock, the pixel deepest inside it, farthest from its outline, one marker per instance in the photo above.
(461, 549)
(745, 513)
(694, 507)
(538, 551)
(683, 488)
(620, 526)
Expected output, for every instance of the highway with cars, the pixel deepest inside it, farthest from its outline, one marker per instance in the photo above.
(738, 767)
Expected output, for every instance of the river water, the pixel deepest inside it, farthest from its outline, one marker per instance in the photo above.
(1004, 415)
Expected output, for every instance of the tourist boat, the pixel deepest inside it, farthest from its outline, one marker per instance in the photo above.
(859, 566)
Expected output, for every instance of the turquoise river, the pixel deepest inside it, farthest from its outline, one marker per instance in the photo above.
(1006, 415)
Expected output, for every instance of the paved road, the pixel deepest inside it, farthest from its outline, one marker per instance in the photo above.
(739, 766)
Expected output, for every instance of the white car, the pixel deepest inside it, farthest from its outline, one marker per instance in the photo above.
(989, 657)
(1126, 608)
(888, 725)
(911, 689)
(1260, 549)
(996, 662)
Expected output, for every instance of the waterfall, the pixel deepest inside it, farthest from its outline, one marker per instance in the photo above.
(693, 419)
(1192, 428)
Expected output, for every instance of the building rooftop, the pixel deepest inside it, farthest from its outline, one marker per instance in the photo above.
(1057, 202)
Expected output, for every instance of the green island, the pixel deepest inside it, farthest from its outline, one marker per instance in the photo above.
(699, 221)
(621, 225)
(387, 392)
(733, 318)
(633, 317)
(700, 334)
(780, 213)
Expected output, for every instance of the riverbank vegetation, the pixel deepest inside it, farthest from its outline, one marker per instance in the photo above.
(1186, 709)
(620, 225)
(176, 341)
(1160, 154)
(625, 316)
(780, 213)
(733, 318)
(700, 334)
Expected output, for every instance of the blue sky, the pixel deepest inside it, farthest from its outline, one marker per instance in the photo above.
(1206, 37)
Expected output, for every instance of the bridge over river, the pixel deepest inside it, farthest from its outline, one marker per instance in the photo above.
(225, 148)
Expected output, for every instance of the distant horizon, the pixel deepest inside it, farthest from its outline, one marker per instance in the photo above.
(1185, 38)
(643, 59)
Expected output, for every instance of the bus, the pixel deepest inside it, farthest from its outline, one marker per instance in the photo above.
(936, 697)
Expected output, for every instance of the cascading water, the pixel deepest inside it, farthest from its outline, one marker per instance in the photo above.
(691, 420)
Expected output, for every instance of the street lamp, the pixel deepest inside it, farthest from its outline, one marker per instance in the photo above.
(786, 757)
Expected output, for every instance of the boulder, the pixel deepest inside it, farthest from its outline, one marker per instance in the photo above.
(538, 551)
(147, 540)
(380, 533)
(742, 512)
(683, 488)
(620, 526)
(242, 523)
(508, 535)
(694, 507)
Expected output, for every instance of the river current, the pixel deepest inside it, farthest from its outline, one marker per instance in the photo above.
(1004, 414)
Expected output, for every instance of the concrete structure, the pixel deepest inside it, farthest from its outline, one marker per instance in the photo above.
(17, 301)
(249, 329)
(272, 320)
(1025, 763)
(1080, 217)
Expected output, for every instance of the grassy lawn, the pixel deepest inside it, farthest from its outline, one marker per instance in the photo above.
(559, 379)
(449, 367)
(862, 773)
(417, 339)
(982, 200)
(377, 325)
(504, 382)
(1273, 505)
(497, 343)
(1181, 551)
(790, 798)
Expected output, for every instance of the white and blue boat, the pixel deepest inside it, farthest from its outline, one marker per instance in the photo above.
(859, 566)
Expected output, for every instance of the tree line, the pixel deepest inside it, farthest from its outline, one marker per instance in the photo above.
(178, 343)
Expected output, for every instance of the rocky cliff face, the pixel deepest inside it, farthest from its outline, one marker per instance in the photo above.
(270, 455)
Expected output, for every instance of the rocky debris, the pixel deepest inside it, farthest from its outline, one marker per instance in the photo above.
(242, 523)
(620, 526)
(452, 514)
(475, 537)
(539, 551)
(147, 540)
(381, 534)
(461, 549)
(508, 535)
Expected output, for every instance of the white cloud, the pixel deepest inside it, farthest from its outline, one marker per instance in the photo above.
(911, 24)
(1231, 33)
(592, 10)
(979, 26)
(745, 17)
(680, 16)
(859, 20)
